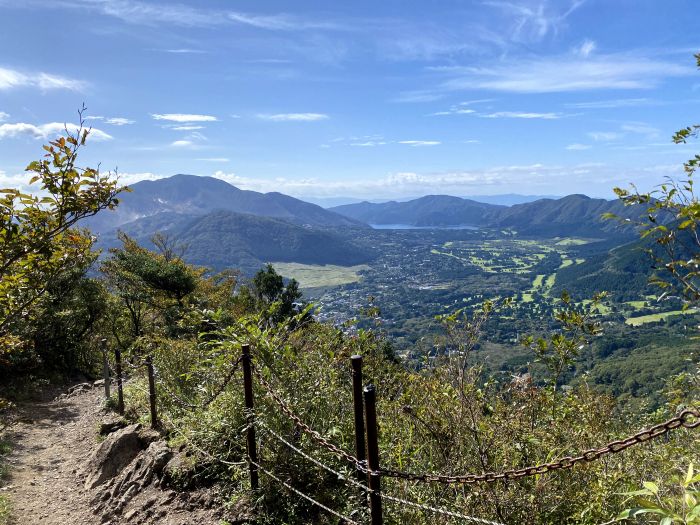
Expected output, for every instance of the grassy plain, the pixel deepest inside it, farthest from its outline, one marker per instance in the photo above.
(315, 276)
(652, 318)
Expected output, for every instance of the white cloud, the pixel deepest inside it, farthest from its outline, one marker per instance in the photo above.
(280, 22)
(294, 117)
(368, 143)
(605, 136)
(186, 128)
(637, 128)
(44, 131)
(10, 78)
(4, 116)
(522, 114)
(418, 143)
(611, 104)
(641, 128)
(534, 21)
(182, 144)
(586, 48)
(184, 117)
(119, 121)
(578, 147)
(185, 51)
(566, 73)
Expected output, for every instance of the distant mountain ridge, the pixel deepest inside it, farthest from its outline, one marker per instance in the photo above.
(570, 215)
(195, 195)
(431, 210)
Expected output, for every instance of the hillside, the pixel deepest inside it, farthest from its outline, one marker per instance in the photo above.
(225, 239)
(570, 215)
(431, 210)
(194, 195)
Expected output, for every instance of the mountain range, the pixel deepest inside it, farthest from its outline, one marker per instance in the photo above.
(570, 215)
(194, 195)
(224, 226)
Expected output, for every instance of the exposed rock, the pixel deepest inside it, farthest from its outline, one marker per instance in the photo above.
(111, 425)
(113, 454)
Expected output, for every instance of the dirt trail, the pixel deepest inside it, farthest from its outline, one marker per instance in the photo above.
(51, 441)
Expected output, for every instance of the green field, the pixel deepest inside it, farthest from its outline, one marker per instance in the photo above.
(652, 318)
(316, 276)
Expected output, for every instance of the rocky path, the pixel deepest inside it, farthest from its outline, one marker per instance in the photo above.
(51, 440)
(55, 444)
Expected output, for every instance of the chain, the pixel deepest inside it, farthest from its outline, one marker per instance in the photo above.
(173, 395)
(340, 475)
(286, 485)
(303, 426)
(366, 489)
(689, 418)
(437, 510)
(223, 386)
(212, 397)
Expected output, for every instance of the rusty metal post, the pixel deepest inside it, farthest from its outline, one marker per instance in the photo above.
(360, 448)
(373, 478)
(105, 368)
(120, 386)
(152, 391)
(250, 417)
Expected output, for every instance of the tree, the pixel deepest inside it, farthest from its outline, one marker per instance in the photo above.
(272, 295)
(672, 224)
(38, 235)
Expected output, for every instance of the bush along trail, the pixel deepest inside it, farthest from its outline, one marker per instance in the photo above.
(72, 462)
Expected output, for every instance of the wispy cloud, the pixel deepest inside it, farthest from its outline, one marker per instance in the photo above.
(637, 128)
(586, 48)
(186, 128)
(280, 22)
(641, 128)
(523, 115)
(565, 74)
(605, 136)
(11, 78)
(184, 51)
(4, 116)
(183, 117)
(182, 144)
(578, 147)
(614, 103)
(114, 121)
(214, 159)
(119, 121)
(419, 143)
(178, 14)
(293, 117)
(533, 21)
(44, 131)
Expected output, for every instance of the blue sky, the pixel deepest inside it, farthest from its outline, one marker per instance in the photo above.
(358, 99)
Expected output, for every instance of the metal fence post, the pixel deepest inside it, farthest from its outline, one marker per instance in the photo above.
(360, 449)
(250, 417)
(105, 368)
(152, 391)
(120, 386)
(374, 479)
